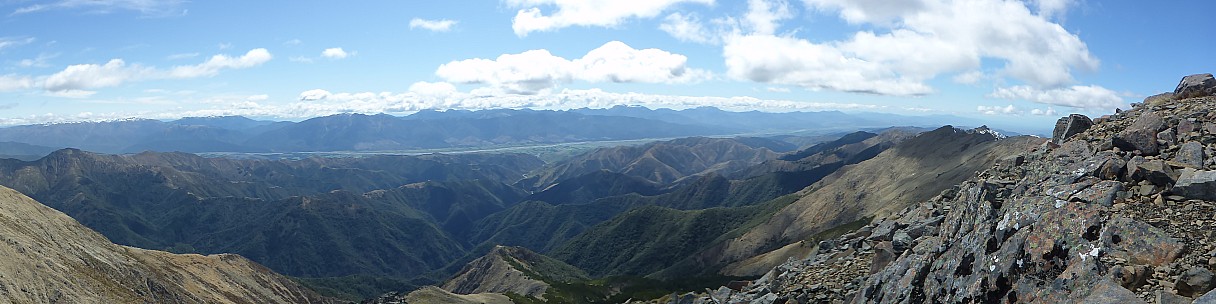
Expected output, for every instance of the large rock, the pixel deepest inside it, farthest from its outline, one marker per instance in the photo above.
(1070, 125)
(1197, 85)
(1195, 281)
(1190, 154)
(1142, 134)
(1195, 184)
(1156, 172)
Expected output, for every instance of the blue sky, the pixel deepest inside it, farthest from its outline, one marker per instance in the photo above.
(1015, 63)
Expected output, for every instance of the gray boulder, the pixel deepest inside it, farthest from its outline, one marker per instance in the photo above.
(1190, 154)
(1195, 281)
(1141, 135)
(1195, 184)
(1197, 85)
(1070, 125)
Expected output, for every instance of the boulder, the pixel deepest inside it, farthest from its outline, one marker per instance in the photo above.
(1109, 292)
(1164, 297)
(1156, 172)
(1195, 184)
(1197, 85)
(1207, 298)
(1190, 154)
(1141, 135)
(1070, 125)
(1195, 281)
(1140, 243)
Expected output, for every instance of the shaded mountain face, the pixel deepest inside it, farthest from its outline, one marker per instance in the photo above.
(513, 270)
(50, 258)
(660, 162)
(307, 218)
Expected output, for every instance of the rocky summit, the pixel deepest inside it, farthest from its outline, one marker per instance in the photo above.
(1120, 211)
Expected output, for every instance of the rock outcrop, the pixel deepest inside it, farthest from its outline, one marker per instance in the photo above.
(1092, 220)
(47, 257)
(1070, 125)
(1198, 85)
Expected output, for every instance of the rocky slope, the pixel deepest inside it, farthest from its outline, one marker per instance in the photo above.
(50, 258)
(912, 171)
(1117, 212)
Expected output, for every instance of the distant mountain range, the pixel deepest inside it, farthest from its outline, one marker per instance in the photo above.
(428, 130)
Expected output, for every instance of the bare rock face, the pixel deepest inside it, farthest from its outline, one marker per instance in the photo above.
(50, 258)
(1197, 85)
(1070, 125)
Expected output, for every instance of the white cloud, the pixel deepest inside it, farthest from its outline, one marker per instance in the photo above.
(971, 77)
(1040, 112)
(1090, 97)
(300, 59)
(763, 15)
(995, 110)
(7, 42)
(601, 13)
(42, 61)
(211, 67)
(535, 71)
(792, 61)
(91, 76)
(15, 83)
(116, 72)
(777, 89)
(687, 28)
(295, 41)
(1053, 8)
(334, 53)
(908, 43)
(154, 8)
(315, 94)
(259, 97)
(441, 25)
(433, 89)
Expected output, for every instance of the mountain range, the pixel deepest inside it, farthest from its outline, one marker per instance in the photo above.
(426, 129)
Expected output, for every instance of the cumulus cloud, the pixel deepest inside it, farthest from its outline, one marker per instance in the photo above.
(995, 110)
(1041, 112)
(792, 61)
(315, 94)
(535, 71)
(687, 28)
(334, 53)
(441, 25)
(906, 44)
(91, 76)
(76, 79)
(1090, 97)
(15, 83)
(763, 15)
(602, 13)
(153, 8)
(211, 67)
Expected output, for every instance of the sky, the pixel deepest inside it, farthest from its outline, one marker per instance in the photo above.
(1014, 63)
